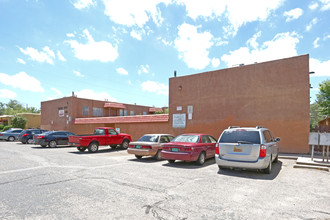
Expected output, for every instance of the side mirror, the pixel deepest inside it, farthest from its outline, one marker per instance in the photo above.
(277, 139)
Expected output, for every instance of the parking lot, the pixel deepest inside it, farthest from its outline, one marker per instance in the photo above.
(63, 183)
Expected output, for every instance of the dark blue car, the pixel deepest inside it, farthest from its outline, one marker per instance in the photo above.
(26, 136)
(52, 138)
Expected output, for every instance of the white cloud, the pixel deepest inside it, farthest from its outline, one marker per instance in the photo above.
(144, 69)
(313, 6)
(164, 41)
(193, 46)
(269, 50)
(70, 35)
(293, 14)
(7, 94)
(156, 87)
(215, 62)
(102, 51)
(310, 25)
(321, 68)
(81, 4)
(122, 71)
(315, 43)
(46, 55)
(129, 82)
(19, 60)
(22, 81)
(60, 56)
(238, 12)
(326, 37)
(58, 92)
(325, 5)
(253, 40)
(134, 13)
(90, 94)
(137, 34)
(77, 73)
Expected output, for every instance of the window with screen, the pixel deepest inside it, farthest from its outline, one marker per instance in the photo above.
(85, 110)
(97, 111)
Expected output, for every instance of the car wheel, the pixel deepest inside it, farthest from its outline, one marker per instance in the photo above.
(138, 157)
(125, 144)
(201, 159)
(52, 144)
(268, 170)
(114, 146)
(158, 155)
(23, 142)
(220, 167)
(81, 149)
(276, 158)
(171, 161)
(43, 145)
(29, 141)
(93, 147)
(11, 138)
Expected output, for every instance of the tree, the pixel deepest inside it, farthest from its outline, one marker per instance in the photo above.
(13, 107)
(315, 116)
(19, 121)
(323, 98)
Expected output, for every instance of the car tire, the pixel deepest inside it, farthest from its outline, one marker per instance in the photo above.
(171, 161)
(113, 146)
(125, 144)
(201, 159)
(138, 157)
(276, 158)
(52, 144)
(158, 155)
(29, 141)
(11, 138)
(81, 149)
(93, 147)
(268, 170)
(220, 167)
(43, 145)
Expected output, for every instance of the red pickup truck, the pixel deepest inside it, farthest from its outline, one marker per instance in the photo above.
(102, 136)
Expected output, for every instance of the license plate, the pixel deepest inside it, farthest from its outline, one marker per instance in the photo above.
(73, 144)
(175, 149)
(138, 146)
(237, 149)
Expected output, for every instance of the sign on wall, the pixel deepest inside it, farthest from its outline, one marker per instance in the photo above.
(190, 110)
(179, 120)
(61, 113)
(118, 130)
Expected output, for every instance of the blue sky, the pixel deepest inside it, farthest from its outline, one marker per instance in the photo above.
(126, 50)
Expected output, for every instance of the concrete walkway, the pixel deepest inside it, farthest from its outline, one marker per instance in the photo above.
(305, 161)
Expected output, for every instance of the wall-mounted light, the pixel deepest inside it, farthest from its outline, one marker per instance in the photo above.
(311, 72)
(180, 88)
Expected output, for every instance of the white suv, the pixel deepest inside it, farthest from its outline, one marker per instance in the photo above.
(247, 148)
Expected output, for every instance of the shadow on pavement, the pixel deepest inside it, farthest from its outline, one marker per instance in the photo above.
(100, 151)
(147, 159)
(253, 174)
(190, 165)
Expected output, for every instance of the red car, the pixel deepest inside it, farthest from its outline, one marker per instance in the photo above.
(190, 147)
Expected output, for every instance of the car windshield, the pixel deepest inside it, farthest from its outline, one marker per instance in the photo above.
(149, 138)
(187, 138)
(240, 136)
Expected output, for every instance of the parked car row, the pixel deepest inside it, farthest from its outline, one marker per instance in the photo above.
(11, 134)
(237, 147)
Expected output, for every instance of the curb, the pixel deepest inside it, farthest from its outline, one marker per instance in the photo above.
(310, 167)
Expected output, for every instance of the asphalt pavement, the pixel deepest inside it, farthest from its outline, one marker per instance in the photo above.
(63, 183)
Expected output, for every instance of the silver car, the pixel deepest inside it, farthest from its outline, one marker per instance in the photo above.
(11, 134)
(247, 148)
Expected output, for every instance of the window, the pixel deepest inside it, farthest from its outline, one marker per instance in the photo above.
(268, 136)
(149, 138)
(187, 138)
(97, 111)
(99, 131)
(144, 113)
(112, 132)
(205, 139)
(240, 136)
(85, 110)
(213, 140)
(131, 113)
(125, 112)
(121, 112)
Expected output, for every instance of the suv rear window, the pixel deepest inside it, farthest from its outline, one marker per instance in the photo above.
(239, 136)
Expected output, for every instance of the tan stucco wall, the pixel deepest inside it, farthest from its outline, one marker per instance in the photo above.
(32, 120)
(272, 94)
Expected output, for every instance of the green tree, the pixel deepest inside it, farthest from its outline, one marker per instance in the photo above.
(19, 121)
(323, 98)
(2, 108)
(315, 115)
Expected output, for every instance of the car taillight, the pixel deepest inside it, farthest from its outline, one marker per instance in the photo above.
(24, 135)
(146, 147)
(189, 149)
(1, 134)
(263, 150)
(40, 137)
(217, 151)
(131, 146)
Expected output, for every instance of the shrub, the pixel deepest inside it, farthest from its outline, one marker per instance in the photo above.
(19, 121)
(7, 127)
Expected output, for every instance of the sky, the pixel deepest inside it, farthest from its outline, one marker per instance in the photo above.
(126, 50)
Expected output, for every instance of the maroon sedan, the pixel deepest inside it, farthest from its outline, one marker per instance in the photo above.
(190, 147)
